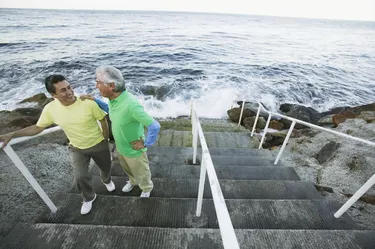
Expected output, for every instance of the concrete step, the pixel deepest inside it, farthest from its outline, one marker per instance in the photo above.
(207, 126)
(213, 139)
(56, 236)
(166, 159)
(223, 172)
(180, 213)
(232, 189)
(161, 150)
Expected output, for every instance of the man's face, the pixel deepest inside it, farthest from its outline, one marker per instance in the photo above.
(105, 90)
(64, 93)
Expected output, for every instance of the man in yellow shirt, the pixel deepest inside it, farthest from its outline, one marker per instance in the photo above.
(78, 119)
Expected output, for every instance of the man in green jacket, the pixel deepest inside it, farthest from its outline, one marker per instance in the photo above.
(128, 121)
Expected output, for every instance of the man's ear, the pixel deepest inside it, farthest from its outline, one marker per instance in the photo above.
(112, 86)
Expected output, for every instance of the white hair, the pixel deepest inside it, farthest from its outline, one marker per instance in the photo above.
(109, 74)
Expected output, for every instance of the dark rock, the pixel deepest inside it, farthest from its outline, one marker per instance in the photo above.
(39, 98)
(323, 188)
(24, 122)
(365, 198)
(304, 113)
(252, 106)
(307, 132)
(286, 107)
(276, 125)
(28, 111)
(353, 112)
(286, 122)
(335, 110)
(249, 122)
(162, 92)
(327, 151)
(326, 120)
(274, 139)
(148, 90)
(234, 114)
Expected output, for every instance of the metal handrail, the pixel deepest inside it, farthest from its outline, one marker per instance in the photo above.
(23, 169)
(357, 194)
(225, 224)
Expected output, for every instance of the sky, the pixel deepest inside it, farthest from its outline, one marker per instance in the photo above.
(325, 9)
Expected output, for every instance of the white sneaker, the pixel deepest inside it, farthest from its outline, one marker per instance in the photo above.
(110, 186)
(145, 194)
(128, 187)
(86, 206)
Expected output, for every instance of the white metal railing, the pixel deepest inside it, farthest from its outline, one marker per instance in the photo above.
(359, 192)
(225, 224)
(25, 172)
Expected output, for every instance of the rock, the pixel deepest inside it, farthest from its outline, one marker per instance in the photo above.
(356, 163)
(162, 92)
(276, 125)
(307, 132)
(335, 110)
(303, 113)
(252, 106)
(28, 111)
(327, 151)
(286, 107)
(323, 188)
(368, 116)
(326, 120)
(148, 90)
(234, 114)
(249, 122)
(274, 139)
(286, 123)
(365, 198)
(39, 98)
(24, 122)
(352, 113)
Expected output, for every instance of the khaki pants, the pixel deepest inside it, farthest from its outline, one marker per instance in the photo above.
(81, 160)
(138, 170)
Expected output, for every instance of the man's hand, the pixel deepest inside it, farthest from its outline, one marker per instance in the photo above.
(138, 144)
(86, 96)
(5, 139)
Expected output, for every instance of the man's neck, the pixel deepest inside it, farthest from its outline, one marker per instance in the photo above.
(115, 95)
(68, 103)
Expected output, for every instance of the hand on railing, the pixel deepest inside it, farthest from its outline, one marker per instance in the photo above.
(5, 139)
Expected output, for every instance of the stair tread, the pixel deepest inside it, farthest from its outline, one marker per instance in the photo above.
(180, 213)
(232, 189)
(56, 236)
(213, 151)
(223, 172)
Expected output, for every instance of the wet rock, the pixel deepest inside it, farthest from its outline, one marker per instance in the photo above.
(323, 188)
(368, 116)
(326, 120)
(274, 139)
(356, 163)
(286, 107)
(304, 113)
(41, 99)
(327, 152)
(24, 122)
(276, 125)
(352, 113)
(286, 123)
(234, 114)
(307, 132)
(249, 122)
(252, 106)
(28, 111)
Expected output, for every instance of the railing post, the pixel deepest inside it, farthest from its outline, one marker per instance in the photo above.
(356, 196)
(239, 121)
(285, 142)
(202, 180)
(255, 122)
(26, 173)
(265, 130)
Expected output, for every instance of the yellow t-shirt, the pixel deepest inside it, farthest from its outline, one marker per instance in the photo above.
(78, 121)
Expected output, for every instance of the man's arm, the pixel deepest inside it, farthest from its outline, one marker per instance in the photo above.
(28, 131)
(152, 134)
(105, 129)
(102, 105)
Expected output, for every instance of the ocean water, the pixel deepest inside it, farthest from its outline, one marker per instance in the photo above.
(173, 58)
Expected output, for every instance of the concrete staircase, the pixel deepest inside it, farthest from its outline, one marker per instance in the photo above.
(269, 206)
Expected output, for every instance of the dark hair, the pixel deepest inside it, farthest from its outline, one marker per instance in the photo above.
(51, 80)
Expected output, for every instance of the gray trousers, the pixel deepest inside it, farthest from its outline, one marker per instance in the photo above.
(81, 159)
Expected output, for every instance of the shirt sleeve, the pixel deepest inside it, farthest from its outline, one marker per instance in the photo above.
(96, 112)
(139, 114)
(45, 118)
(152, 133)
(103, 105)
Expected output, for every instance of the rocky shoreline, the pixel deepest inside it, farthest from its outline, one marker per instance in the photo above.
(337, 166)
